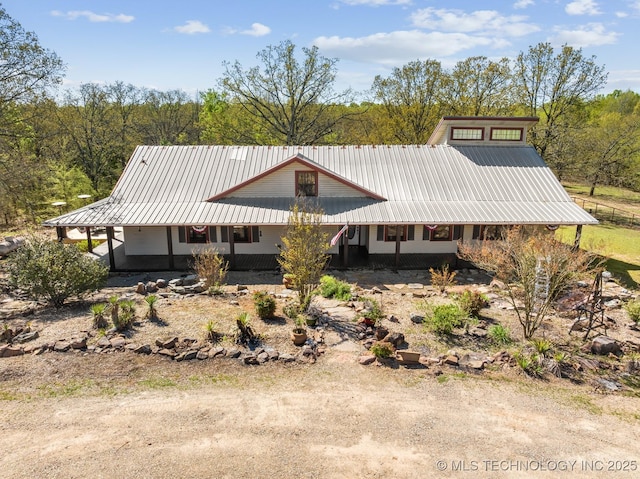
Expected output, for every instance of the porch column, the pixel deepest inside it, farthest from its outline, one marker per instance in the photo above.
(61, 233)
(112, 258)
(89, 245)
(232, 248)
(170, 249)
(345, 249)
(576, 241)
(398, 238)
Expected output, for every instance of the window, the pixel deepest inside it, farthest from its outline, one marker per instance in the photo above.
(196, 234)
(488, 232)
(467, 133)
(391, 232)
(506, 134)
(441, 233)
(241, 234)
(306, 183)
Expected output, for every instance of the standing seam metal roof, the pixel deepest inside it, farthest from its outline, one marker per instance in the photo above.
(445, 184)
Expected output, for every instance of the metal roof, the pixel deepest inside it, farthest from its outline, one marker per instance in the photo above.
(431, 184)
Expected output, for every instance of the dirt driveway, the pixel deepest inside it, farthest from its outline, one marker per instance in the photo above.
(334, 419)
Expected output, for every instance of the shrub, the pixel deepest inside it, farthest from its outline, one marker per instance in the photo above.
(633, 308)
(471, 302)
(444, 317)
(529, 364)
(83, 245)
(442, 278)
(211, 267)
(291, 310)
(331, 287)
(210, 331)
(265, 304)
(499, 334)
(382, 349)
(372, 309)
(55, 271)
(542, 346)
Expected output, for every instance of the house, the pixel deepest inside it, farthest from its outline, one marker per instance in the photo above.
(403, 205)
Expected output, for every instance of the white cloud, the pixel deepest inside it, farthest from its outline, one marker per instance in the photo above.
(592, 34)
(376, 3)
(399, 47)
(191, 27)
(583, 7)
(257, 30)
(523, 4)
(93, 17)
(486, 21)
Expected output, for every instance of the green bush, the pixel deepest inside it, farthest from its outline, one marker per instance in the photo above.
(98, 311)
(331, 287)
(55, 271)
(442, 319)
(471, 302)
(382, 349)
(499, 334)
(633, 308)
(83, 245)
(372, 309)
(265, 304)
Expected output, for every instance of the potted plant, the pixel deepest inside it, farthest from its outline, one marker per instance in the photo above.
(299, 332)
(265, 304)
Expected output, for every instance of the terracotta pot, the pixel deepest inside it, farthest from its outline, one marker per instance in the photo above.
(287, 282)
(298, 337)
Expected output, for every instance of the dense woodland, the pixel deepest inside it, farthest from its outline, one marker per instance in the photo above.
(58, 143)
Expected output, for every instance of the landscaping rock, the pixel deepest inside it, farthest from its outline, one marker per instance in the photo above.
(202, 355)
(451, 360)
(381, 333)
(287, 358)
(397, 339)
(7, 351)
(140, 288)
(250, 359)
(408, 357)
(151, 287)
(118, 342)
(79, 343)
(497, 284)
(234, 353)
(61, 346)
(416, 318)
(166, 343)
(25, 337)
(217, 351)
(143, 349)
(263, 357)
(366, 360)
(604, 345)
(167, 352)
(161, 283)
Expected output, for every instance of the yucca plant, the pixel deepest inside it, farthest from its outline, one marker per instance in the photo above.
(152, 300)
(98, 310)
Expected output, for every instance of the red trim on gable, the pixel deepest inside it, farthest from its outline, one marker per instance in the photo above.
(297, 159)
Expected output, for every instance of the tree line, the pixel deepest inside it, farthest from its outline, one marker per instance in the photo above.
(56, 144)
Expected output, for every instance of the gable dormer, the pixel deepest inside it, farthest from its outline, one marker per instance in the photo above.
(297, 176)
(482, 130)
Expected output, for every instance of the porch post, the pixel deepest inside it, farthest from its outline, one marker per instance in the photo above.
(232, 248)
(61, 233)
(170, 249)
(398, 245)
(345, 249)
(576, 241)
(112, 258)
(89, 245)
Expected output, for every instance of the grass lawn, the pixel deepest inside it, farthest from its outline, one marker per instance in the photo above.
(621, 247)
(621, 198)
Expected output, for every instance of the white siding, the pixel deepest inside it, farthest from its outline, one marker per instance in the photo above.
(282, 183)
(147, 241)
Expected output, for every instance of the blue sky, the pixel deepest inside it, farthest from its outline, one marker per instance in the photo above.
(182, 44)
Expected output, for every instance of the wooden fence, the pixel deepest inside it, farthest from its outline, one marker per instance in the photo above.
(608, 214)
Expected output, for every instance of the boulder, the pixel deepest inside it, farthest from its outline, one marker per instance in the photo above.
(604, 345)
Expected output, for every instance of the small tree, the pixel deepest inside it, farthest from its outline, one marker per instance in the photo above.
(210, 266)
(534, 267)
(55, 271)
(304, 251)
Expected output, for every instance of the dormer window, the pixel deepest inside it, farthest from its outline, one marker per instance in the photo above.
(506, 134)
(306, 183)
(458, 133)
